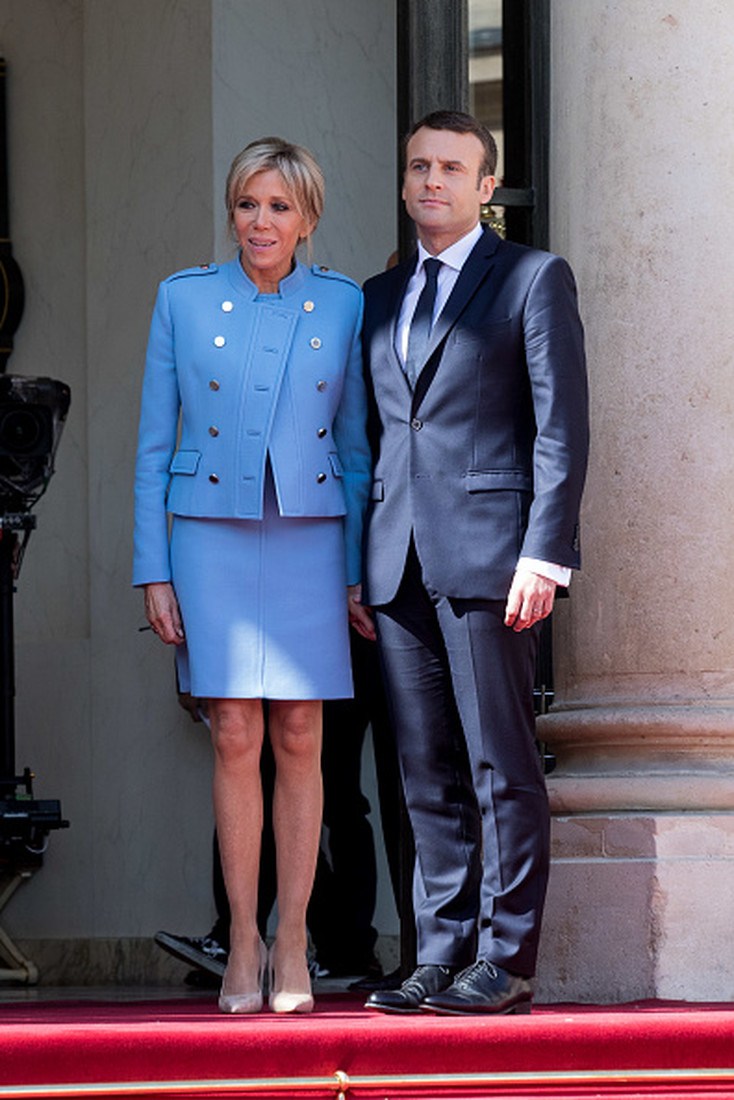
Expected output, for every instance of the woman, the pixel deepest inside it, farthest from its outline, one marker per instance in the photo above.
(259, 359)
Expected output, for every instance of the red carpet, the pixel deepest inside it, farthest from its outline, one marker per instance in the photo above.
(187, 1049)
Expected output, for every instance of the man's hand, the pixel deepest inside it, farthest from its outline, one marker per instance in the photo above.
(360, 617)
(194, 707)
(162, 612)
(530, 599)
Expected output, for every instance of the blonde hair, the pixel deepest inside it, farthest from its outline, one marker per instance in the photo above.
(301, 175)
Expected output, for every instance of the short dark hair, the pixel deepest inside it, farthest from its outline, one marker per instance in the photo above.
(461, 123)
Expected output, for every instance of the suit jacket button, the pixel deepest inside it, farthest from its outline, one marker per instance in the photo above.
(214, 479)
(416, 424)
(321, 433)
(213, 385)
(214, 431)
(321, 478)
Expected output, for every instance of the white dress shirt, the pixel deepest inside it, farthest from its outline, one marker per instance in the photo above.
(453, 259)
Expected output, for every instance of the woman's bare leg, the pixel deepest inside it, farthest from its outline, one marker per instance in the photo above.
(296, 732)
(237, 736)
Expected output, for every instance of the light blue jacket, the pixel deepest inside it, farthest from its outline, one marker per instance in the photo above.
(251, 375)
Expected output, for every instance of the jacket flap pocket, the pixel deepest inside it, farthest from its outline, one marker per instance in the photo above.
(488, 330)
(378, 490)
(185, 462)
(478, 481)
(336, 464)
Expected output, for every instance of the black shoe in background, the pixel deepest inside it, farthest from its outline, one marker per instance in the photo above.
(204, 952)
(377, 983)
(368, 967)
(202, 979)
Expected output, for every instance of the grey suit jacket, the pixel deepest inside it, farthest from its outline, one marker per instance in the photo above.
(485, 461)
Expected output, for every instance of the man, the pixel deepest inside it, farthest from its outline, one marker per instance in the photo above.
(479, 411)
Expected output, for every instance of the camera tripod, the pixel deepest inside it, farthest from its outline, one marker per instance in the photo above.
(25, 822)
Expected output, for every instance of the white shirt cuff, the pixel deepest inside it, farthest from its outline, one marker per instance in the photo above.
(561, 574)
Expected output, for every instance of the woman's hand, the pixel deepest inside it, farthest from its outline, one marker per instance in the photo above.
(360, 617)
(162, 612)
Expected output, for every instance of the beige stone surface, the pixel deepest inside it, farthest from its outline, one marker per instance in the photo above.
(643, 882)
(639, 906)
(640, 171)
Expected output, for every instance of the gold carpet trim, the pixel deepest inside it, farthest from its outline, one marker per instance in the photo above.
(341, 1084)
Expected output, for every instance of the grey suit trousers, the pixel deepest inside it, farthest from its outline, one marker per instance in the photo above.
(460, 683)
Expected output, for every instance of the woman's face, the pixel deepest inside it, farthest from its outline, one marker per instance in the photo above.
(268, 227)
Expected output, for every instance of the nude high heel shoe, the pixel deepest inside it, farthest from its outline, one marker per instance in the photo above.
(243, 1003)
(282, 1000)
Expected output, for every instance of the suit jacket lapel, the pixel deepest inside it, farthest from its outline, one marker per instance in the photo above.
(475, 271)
(477, 267)
(402, 274)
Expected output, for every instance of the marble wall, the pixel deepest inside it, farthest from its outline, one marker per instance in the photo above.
(123, 120)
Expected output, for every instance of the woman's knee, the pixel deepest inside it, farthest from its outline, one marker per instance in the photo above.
(237, 728)
(296, 730)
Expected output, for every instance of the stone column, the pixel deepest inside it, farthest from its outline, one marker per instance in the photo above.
(642, 892)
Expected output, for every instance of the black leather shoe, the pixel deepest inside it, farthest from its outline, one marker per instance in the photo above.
(482, 987)
(422, 982)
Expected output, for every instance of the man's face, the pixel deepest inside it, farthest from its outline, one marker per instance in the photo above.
(442, 187)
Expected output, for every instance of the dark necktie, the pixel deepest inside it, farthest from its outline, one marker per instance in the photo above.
(420, 326)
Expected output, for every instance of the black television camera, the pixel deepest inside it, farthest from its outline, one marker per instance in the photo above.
(32, 415)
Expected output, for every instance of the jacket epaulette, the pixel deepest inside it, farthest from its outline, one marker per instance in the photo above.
(202, 269)
(329, 273)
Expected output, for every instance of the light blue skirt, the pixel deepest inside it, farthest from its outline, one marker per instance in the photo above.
(264, 606)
